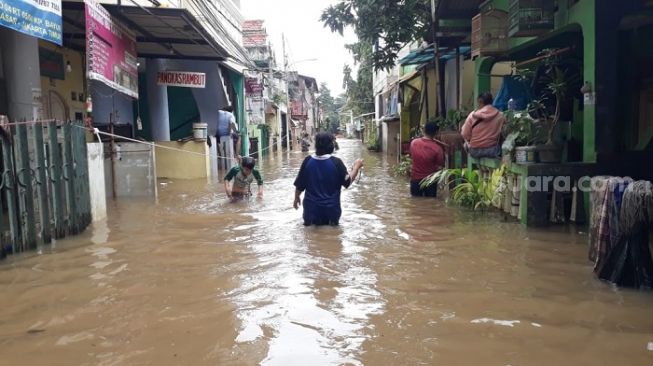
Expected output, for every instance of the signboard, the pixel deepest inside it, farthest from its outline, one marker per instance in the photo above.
(51, 64)
(110, 51)
(38, 18)
(253, 87)
(182, 78)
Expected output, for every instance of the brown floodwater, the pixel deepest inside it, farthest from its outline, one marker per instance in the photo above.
(194, 280)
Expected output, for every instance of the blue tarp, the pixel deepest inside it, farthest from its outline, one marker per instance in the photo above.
(515, 87)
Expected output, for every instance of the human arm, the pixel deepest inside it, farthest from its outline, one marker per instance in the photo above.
(259, 182)
(227, 178)
(348, 177)
(466, 130)
(300, 183)
(232, 124)
(298, 199)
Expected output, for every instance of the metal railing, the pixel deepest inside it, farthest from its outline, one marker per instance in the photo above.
(44, 185)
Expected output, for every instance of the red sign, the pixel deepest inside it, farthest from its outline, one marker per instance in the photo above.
(182, 79)
(297, 108)
(110, 51)
(253, 87)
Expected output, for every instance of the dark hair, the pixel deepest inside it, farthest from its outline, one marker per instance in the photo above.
(248, 162)
(324, 143)
(486, 97)
(228, 108)
(430, 129)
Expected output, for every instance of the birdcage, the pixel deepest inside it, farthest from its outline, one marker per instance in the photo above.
(489, 33)
(530, 18)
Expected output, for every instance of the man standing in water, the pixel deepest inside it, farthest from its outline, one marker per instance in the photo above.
(428, 157)
(226, 128)
(322, 176)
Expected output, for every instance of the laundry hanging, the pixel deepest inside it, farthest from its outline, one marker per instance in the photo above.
(629, 262)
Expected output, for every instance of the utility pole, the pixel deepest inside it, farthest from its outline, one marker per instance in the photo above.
(436, 57)
(288, 104)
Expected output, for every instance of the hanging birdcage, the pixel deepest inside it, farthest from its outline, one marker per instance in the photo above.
(489, 33)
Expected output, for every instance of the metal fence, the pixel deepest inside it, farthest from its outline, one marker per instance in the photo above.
(44, 185)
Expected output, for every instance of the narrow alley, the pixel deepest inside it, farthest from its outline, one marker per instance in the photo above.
(194, 280)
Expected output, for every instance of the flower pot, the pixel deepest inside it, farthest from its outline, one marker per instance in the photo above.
(525, 155)
(549, 153)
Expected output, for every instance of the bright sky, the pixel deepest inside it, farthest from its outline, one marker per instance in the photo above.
(306, 38)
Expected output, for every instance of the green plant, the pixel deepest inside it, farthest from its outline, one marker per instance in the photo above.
(452, 121)
(560, 80)
(403, 168)
(471, 189)
(373, 143)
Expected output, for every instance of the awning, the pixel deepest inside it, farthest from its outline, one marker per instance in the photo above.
(409, 76)
(235, 66)
(169, 33)
(424, 55)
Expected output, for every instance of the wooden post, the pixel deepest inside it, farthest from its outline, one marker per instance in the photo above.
(69, 180)
(41, 181)
(56, 182)
(24, 179)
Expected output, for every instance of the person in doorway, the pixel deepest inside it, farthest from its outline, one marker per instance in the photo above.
(482, 129)
(306, 143)
(243, 175)
(427, 154)
(321, 177)
(227, 127)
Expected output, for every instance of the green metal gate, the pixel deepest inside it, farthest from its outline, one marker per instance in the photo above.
(44, 185)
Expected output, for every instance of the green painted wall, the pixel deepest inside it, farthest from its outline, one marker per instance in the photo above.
(182, 112)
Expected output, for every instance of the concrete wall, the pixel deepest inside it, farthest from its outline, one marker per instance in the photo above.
(73, 83)
(134, 168)
(390, 143)
(21, 70)
(179, 165)
(97, 181)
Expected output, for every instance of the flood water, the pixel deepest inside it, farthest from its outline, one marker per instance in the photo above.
(195, 280)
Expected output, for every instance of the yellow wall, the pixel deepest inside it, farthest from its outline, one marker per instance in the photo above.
(500, 68)
(180, 165)
(467, 85)
(73, 82)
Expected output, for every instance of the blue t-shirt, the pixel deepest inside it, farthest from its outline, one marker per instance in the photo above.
(322, 178)
(224, 123)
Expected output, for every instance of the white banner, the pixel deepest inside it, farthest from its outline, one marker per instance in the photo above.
(183, 79)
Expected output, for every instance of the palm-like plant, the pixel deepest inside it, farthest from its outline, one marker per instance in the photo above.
(470, 190)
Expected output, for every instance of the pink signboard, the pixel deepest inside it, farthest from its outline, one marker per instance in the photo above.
(110, 51)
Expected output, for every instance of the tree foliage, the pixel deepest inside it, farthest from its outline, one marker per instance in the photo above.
(330, 109)
(387, 24)
(359, 92)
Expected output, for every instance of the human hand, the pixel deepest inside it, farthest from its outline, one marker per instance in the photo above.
(297, 203)
(228, 192)
(358, 163)
(259, 195)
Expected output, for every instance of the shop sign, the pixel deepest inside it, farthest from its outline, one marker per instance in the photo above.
(37, 18)
(182, 79)
(51, 64)
(253, 87)
(110, 51)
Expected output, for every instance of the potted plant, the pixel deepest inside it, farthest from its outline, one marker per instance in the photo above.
(559, 80)
(522, 133)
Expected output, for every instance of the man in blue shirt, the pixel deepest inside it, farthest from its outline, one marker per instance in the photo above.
(226, 127)
(321, 176)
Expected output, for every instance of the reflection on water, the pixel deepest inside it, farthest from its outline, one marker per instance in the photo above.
(197, 280)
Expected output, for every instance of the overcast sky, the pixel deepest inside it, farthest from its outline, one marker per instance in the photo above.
(306, 38)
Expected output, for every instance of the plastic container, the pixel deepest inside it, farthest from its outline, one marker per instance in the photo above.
(525, 155)
(200, 131)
